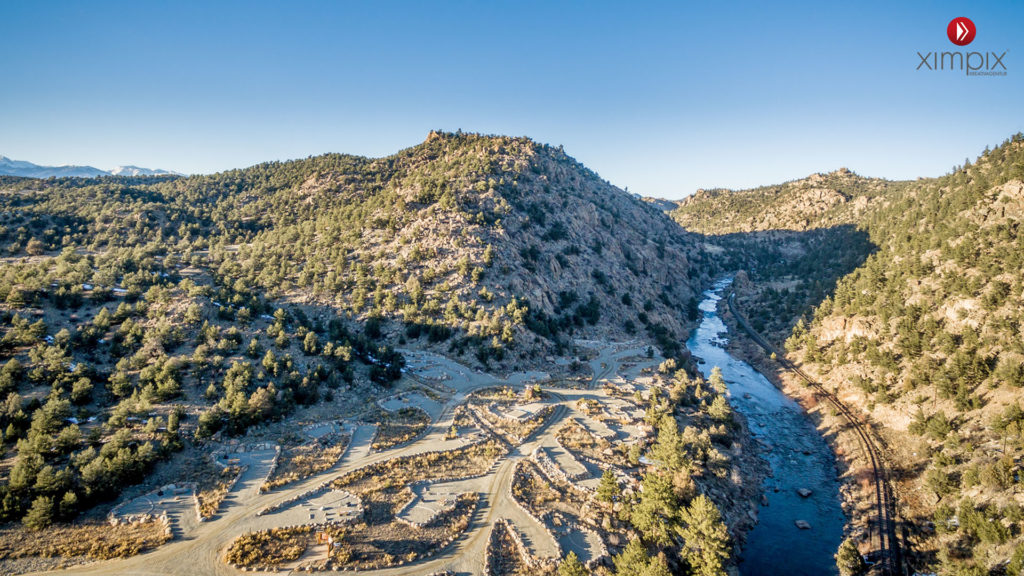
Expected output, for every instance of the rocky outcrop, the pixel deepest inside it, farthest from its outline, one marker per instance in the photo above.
(818, 201)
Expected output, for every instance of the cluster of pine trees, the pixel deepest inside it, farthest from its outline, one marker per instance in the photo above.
(679, 527)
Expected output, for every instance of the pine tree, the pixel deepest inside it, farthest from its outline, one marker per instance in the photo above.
(717, 380)
(720, 409)
(632, 561)
(40, 515)
(668, 450)
(706, 537)
(608, 490)
(571, 566)
(658, 567)
(655, 515)
(311, 344)
(848, 559)
(254, 350)
(1016, 565)
(69, 504)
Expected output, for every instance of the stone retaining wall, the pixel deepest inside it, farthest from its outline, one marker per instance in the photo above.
(519, 473)
(325, 485)
(231, 487)
(114, 515)
(517, 541)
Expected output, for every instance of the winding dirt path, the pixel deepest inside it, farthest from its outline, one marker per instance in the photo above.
(200, 551)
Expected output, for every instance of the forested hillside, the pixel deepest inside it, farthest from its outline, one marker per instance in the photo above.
(925, 336)
(138, 314)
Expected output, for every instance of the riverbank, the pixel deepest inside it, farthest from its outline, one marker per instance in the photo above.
(853, 468)
(801, 520)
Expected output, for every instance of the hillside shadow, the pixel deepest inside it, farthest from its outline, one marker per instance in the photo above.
(801, 269)
(792, 270)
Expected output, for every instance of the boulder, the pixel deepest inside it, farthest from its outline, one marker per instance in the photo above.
(802, 524)
(804, 492)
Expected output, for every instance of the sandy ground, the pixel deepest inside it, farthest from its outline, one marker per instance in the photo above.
(199, 549)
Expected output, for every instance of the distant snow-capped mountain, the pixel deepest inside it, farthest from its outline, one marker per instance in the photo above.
(136, 171)
(30, 170)
(10, 167)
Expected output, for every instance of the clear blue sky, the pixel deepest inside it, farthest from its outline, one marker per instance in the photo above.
(662, 97)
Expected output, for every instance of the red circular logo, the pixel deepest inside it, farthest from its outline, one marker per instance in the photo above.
(961, 31)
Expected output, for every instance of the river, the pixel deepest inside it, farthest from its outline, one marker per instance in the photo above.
(798, 456)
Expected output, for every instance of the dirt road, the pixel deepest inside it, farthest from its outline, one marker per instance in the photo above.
(199, 552)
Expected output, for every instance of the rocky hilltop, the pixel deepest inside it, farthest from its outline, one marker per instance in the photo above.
(818, 201)
(483, 243)
(480, 245)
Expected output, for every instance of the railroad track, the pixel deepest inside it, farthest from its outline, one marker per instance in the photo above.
(891, 562)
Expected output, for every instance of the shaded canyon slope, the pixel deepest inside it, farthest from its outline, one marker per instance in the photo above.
(907, 297)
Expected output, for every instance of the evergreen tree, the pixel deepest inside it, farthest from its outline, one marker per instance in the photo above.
(658, 567)
(311, 344)
(706, 538)
(720, 409)
(40, 515)
(848, 559)
(669, 451)
(608, 489)
(632, 561)
(571, 566)
(655, 516)
(254, 350)
(1016, 565)
(717, 380)
(69, 504)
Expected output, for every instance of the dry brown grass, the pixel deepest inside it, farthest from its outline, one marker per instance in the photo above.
(399, 427)
(303, 461)
(515, 431)
(384, 483)
(535, 491)
(495, 394)
(374, 545)
(98, 541)
(270, 547)
(211, 490)
(379, 539)
(577, 439)
(503, 557)
(461, 418)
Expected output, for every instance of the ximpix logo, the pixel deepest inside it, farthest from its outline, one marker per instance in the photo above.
(961, 31)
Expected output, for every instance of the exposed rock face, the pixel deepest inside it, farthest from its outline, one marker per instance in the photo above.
(820, 200)
(845, 329)
(508, 243)
(1004, 204)
(920, 330)
(569, 239)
